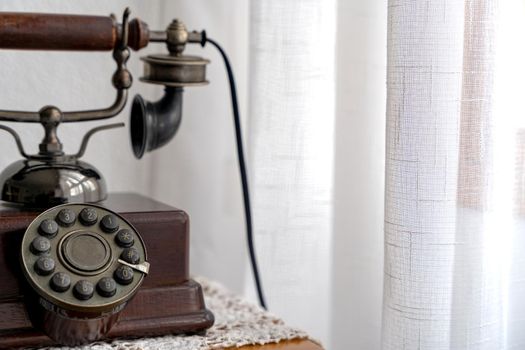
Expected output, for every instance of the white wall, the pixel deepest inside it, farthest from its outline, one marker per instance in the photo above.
(197, 171)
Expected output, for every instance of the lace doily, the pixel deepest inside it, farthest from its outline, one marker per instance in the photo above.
(237, 323)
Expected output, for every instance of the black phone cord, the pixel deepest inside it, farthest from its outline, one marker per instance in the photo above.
(242, 169)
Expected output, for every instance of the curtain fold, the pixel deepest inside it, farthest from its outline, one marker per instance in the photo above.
(454, 228)
(478, 303)
(291, 123)
(425, 50)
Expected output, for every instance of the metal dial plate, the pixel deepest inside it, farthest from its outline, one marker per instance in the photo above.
(87, 253)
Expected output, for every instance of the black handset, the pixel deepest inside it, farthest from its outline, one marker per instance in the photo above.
(84, 263)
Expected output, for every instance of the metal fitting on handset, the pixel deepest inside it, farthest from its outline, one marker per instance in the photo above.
(153, 124)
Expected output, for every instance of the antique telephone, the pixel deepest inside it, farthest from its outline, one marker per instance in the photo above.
(78, 272)
(47, 178)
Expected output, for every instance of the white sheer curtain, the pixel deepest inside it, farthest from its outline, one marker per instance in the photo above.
(454, 227)
(291, 150)
(453, 217)
(316, 137)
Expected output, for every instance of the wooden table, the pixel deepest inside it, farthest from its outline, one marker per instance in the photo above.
(284, 345)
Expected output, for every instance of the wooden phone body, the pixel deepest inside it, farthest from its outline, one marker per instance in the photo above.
(167, 302)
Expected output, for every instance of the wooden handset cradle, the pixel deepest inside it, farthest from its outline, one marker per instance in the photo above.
(76, 264)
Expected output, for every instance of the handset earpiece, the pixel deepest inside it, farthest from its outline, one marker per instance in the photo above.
(153, 124)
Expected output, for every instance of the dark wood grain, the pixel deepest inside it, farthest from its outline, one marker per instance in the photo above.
(38, 31)
(153, 311)
(298, 344)
(42, 31)
(165, 231)
(138, 34)
(167, 302)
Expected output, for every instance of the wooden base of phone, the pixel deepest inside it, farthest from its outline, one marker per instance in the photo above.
(167, 302)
